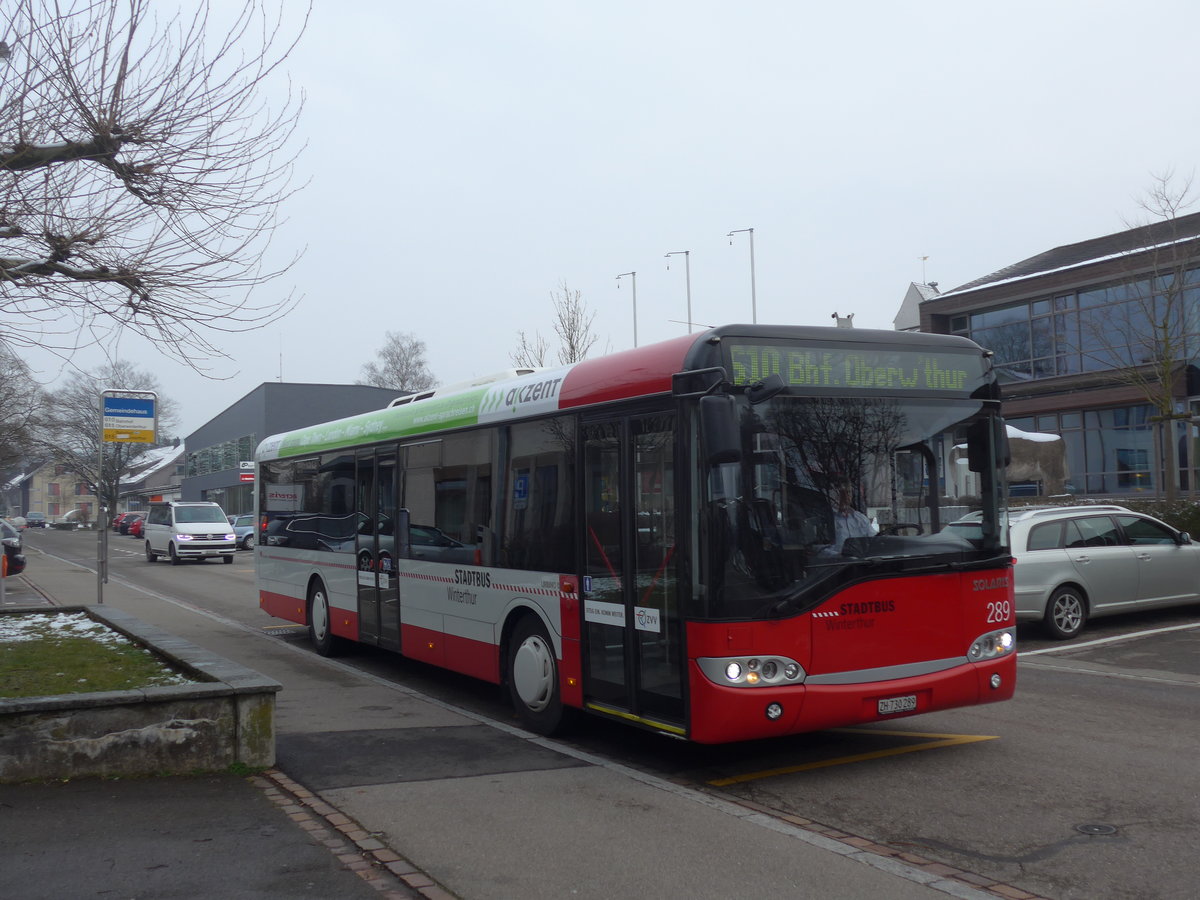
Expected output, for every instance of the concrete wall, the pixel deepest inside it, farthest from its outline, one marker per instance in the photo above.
(226, 717)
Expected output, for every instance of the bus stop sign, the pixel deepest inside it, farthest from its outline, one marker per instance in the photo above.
(129, 420)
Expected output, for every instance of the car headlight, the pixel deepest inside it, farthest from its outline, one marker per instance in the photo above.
(751, 671)
(993, 645)
(184, 537)
(231, 536)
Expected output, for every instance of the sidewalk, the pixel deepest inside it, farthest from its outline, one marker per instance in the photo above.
(382, 792)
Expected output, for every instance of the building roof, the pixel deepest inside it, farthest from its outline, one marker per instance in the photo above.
(152, 461)
(909, 316)
(1156, 234)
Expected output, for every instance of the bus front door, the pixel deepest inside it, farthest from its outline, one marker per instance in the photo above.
(633, 653)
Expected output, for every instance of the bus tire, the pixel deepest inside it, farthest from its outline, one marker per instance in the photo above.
(1066, 613)
(320, 629)
(532, 674)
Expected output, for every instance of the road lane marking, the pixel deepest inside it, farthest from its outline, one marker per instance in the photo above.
(937, 742)
(1166, 629)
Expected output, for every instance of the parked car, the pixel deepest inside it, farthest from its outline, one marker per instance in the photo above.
(1074, 563)
(243, 527)
(128, 521)
(35, 520)
(117, 520)
(10, 537)
(135, 527)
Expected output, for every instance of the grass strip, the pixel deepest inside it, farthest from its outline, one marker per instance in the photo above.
(47, 654)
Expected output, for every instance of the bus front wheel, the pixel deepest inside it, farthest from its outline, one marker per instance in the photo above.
(319, 622)
(533, 677)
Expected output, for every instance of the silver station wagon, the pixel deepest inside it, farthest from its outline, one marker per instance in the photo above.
(1078, 562)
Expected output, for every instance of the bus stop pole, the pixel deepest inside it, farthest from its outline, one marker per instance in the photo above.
(101, 529)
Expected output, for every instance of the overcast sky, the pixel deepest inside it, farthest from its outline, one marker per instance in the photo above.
(465, 158)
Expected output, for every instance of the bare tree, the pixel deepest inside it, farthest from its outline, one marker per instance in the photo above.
(141, 172)
(401, 364)
(573, 325)
(1138, 329)
(73, 432)
(20, 406)
(530, 352)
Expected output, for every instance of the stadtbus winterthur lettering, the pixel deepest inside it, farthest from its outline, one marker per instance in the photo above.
(892, 370)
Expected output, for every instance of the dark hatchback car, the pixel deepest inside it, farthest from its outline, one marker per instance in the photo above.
(10, 536)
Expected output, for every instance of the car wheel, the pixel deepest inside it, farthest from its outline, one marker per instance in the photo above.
(533, 677)
(319, 622)
(175, 560)
(248, 541)
(1066, 613)
(151, 556)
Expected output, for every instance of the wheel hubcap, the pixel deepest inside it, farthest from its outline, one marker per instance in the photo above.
(320, 616)
(1068, 614)
(533, 673)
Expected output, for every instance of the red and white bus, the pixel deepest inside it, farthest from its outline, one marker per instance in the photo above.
(731, 535)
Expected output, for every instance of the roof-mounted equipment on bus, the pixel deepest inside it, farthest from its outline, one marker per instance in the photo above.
(443, 389)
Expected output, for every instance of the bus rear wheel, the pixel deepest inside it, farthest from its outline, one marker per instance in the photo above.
(533, 677)
(320, 631)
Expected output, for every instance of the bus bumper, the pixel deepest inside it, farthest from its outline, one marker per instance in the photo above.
(721, 714)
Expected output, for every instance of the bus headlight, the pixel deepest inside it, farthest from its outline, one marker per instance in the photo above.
(751, 671)
(993, 645)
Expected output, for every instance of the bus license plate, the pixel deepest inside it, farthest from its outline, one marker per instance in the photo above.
(890, 705)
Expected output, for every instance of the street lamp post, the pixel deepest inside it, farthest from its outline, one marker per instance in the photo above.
(687, 267)
(633, 278)
(753, 297)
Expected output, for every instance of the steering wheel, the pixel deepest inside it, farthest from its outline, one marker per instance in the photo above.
(897, 528)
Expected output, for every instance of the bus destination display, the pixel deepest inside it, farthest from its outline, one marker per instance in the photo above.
(864, 368)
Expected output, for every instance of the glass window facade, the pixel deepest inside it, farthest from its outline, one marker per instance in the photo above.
(222, 457)
(1091, 330)
(1108, 451)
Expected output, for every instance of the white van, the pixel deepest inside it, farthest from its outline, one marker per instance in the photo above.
(182, 530)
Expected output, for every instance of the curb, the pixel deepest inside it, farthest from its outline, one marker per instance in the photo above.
(360, 851)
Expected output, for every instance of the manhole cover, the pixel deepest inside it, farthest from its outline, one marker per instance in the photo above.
(1096, 829)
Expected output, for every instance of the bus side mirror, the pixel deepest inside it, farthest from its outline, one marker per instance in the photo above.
(978, 455)
(720, 433)
(761, 391)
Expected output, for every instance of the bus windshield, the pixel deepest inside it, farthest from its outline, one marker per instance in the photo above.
(829, 490)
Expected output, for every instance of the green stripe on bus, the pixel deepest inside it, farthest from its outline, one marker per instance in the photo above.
(434, 414)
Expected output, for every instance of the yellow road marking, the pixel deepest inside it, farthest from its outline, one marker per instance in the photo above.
(938, 741)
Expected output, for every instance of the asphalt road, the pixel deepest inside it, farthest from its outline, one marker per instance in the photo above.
(1086, 785)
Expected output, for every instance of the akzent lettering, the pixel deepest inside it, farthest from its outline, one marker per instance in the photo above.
(528, 393)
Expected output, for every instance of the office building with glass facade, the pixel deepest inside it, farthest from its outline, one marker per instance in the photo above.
(1097, 343)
